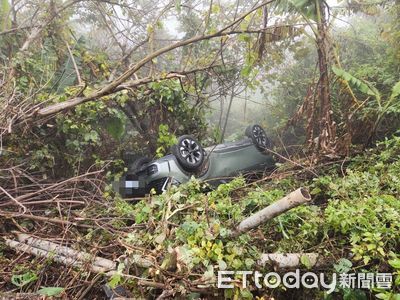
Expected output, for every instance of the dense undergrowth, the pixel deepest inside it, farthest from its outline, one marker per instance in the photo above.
(354, 221)
(184, 235)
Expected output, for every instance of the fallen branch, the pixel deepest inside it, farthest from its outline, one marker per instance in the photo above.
(58, 258)
(69, 256)
(65, 251)
(288, 202)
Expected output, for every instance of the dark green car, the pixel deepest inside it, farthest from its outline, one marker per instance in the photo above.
(212, 164)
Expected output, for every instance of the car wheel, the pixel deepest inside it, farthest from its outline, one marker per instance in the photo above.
(138, 163)
(189, 153)
(258, 136)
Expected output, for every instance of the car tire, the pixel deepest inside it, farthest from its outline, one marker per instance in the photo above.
(257, 134)
(189, 153)
(138, 163)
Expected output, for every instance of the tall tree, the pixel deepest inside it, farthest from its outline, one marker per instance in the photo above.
(317, 107)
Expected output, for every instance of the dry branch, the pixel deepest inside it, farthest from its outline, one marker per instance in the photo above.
(69, 256)
(112, 86)
(69, 261)
(288, 202)
(65, 251)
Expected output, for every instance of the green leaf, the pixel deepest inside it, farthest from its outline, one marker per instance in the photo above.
(395, 263)
(66, 76)
(395, 90)
(178, 6)
(246, 71)
(215, 9)
(361, 85)
(350, 294)
(382, 296)
(116, 277)
(116, 127)
(305, 260)
(246, 294)
(23, 279)
(50, 291)
(343, 266)
(5, 21)
(249, 262)
(194, 296)
(300, 3)
(222, 265)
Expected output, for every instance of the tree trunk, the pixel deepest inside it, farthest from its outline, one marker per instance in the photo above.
(326, 142)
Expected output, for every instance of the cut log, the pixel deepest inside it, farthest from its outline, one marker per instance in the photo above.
(288, 202)
(289, 260)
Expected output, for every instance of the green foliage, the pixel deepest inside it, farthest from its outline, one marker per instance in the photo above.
(51, 291)
(362, 86)
(343, 265)
(24, 279)
(165, 140)
(116, 278)
(367, 88)
(66, 76)
(163, 110)
(42, 159)
(364, 204)
(394, 262)
(359, 218)
(368, 66)
(203, 223)
(115, 124)
(395, 91)
(4, 15)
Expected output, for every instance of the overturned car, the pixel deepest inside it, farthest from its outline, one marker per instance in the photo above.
(214, 164)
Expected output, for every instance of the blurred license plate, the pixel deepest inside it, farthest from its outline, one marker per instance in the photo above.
(132, 184)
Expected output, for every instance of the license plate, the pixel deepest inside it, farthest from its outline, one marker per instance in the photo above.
(132, 184)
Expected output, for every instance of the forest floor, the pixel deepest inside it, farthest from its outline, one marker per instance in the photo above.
(172, 245)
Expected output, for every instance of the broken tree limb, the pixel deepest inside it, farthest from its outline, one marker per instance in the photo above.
(288, 202)
(69, 256)
(289, 260)
(56, 257)
(112, 86)
(66, 251)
